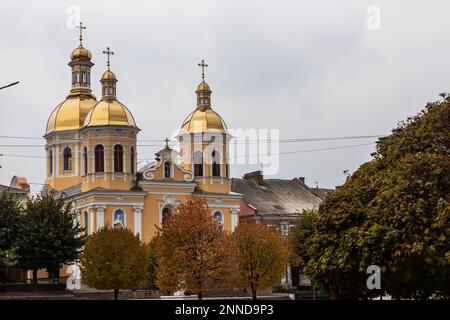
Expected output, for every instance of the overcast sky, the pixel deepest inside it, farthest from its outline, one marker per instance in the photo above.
(308, 68)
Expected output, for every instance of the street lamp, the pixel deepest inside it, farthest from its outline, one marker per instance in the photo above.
(9, 85)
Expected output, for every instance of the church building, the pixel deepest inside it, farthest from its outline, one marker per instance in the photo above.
(92, 151)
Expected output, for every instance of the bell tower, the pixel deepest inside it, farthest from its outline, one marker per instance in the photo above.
(204, 142)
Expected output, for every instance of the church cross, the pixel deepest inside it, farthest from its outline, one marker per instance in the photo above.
(81, 27)
(108, 52)
(203, 65)
(167, 143)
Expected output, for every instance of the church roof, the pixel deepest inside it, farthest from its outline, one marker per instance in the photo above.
(276, 196)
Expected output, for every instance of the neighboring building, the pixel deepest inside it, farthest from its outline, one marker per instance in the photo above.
(277, 203)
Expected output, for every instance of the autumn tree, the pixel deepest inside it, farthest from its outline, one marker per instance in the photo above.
(48, 236)
(114, 259)
(394, 212)
(193, 251)
(261, 255)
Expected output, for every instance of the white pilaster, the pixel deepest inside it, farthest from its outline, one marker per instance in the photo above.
(138, 221)
(100, 217)
(91, 220)
(234, 219)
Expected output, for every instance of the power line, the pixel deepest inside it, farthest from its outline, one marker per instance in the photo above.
(235, 141)
(246, 156)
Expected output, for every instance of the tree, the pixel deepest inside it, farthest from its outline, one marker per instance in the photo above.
(10, 215)
(261, 256)
(151, 269)
(114, 259)
(48, 236)
(193, 251)
(392, 212)
(299, 235)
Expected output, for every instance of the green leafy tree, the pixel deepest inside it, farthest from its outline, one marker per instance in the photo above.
(261, 255)
(150, 281)
(392, 212)
(299, 235)
(114, 259)
(48, 236)
(10, 215)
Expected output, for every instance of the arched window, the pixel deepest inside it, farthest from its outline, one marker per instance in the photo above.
(67, 153)
(99, 158)
(198, 163)
(215, 164)
(218, 216)
(132, 160)
(85, 160)
(167, 169)
(166, 212)
(119, 219)
(118, 158)
(85, 223)
(50, 162)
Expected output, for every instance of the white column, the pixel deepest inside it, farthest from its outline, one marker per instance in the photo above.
(234, 219)
(100, 217)
(77, 217)
(76, 159)
(91, 220)
(138, 221)
(56, 156)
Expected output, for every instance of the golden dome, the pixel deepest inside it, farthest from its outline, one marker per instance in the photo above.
(109, 112)
(109, 75)
(81, 52)
(70, 114)
(203, 120)
(203, 86)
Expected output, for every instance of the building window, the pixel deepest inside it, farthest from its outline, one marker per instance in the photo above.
(85, 223)
(50, 160)
(167, 169)
(118, 158)
(215, 165)
(67, 153)
(99, 158)
(132, 160)
(198, 163)
(85, 160)
(119, 219)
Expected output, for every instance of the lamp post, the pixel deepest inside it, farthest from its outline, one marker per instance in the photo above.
(9, 85)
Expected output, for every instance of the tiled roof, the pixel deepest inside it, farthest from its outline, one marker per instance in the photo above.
(276, 195)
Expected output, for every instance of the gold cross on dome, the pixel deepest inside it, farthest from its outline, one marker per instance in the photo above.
(81, 27)
(167, 143)
(108, 52)
(203, 65)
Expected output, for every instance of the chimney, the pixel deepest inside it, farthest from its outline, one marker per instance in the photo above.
(255, 176)
(300, 180)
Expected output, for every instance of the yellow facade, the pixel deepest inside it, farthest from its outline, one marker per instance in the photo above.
(100, 172)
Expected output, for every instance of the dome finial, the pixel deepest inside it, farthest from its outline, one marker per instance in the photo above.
(108, 53)
(203, 65)
(81, 27)
(167, 143)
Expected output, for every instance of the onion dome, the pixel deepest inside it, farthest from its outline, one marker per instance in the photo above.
(71, 113)
(109, 110)
(203, 118)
